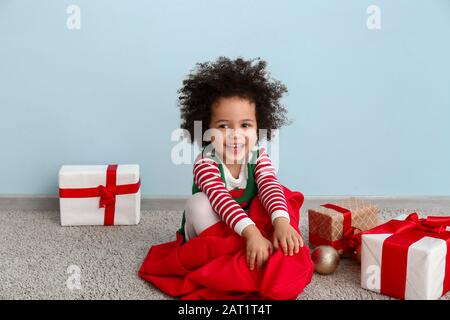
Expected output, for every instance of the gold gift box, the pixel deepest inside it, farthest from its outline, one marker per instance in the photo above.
(326, 226)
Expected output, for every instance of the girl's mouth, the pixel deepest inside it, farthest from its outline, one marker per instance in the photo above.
(235, 147)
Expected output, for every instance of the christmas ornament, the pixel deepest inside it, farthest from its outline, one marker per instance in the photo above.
(325, 259)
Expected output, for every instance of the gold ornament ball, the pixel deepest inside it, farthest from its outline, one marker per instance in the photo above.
(325, 259)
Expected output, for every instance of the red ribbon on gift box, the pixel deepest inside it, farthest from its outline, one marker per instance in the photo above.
(106, 193)
(395, 249)
(348, 240)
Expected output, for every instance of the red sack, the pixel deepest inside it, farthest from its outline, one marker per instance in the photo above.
(213, 264)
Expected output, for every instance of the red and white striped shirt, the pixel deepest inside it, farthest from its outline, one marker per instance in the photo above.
(207, 178)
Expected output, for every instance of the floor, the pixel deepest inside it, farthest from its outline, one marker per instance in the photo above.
(39, 259)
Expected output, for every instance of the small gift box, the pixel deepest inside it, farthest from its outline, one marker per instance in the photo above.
(335, 224)
(407, 258)
(99, 195)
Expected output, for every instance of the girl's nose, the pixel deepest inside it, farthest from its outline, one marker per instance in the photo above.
(235, 133)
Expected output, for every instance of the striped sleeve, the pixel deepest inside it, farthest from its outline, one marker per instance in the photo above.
(207, 178)
(269, 188)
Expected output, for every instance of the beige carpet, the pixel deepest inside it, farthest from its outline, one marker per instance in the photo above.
(35, 253)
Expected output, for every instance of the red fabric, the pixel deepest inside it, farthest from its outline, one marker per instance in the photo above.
(213, 264)
(106, 193)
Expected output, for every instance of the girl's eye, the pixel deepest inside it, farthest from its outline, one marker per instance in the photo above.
(223, 126)
(246, 125)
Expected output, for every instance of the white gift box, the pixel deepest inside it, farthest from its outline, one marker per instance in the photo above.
(99, 195)
(426, 265)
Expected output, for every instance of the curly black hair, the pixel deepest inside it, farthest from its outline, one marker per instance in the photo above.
(224, 77)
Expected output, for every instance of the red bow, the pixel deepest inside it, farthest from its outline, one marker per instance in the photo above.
(352, 239)
(431, 224)
(107, 196)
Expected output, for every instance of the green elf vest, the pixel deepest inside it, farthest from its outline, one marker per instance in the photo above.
(250, 190)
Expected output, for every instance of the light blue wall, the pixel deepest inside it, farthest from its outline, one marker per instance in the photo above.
(371, 108)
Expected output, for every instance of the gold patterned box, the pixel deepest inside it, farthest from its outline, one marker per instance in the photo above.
(334, 224)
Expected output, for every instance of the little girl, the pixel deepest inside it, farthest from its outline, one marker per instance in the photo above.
(239, 236)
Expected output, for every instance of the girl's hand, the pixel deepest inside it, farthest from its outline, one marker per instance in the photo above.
(258, 248)
(286, 237)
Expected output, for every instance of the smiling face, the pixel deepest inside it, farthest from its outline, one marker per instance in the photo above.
(235, 120)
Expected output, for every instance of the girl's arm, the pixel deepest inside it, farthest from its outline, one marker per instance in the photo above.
(207, 178)
(269, 188)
